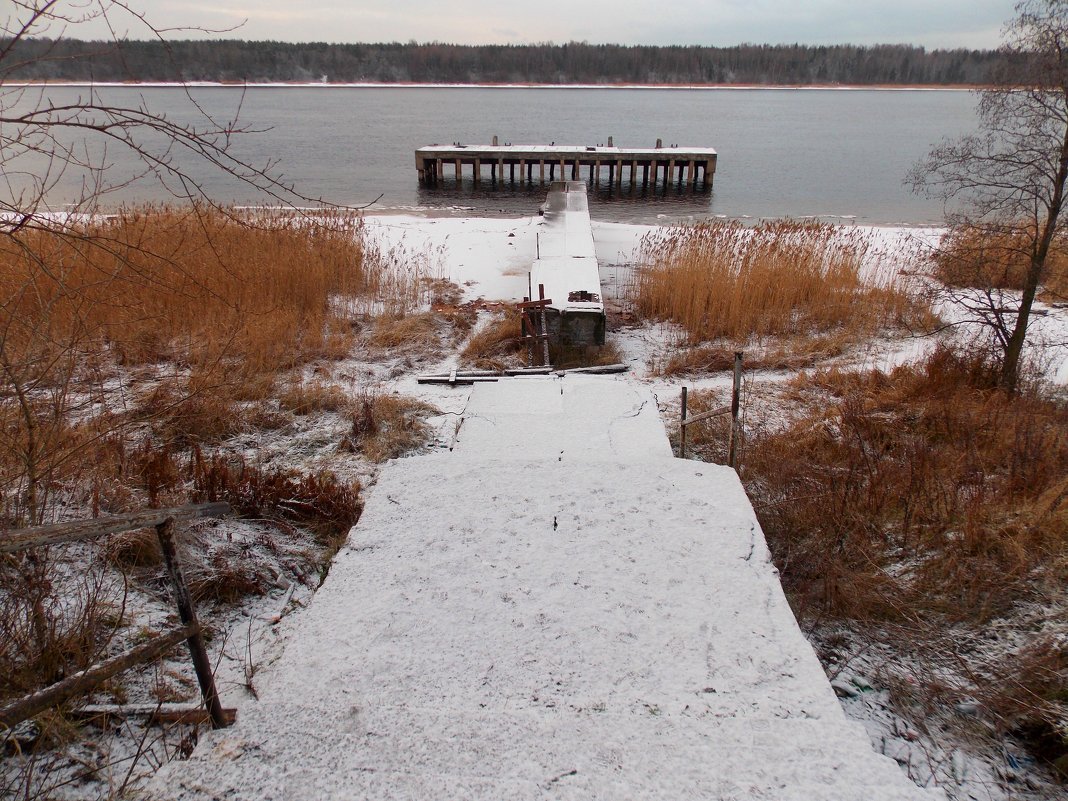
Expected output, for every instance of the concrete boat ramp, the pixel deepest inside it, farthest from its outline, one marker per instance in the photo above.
(556, 609)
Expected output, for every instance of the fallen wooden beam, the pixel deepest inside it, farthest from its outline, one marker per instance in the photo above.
(600, 369)
(59, 533)
(13, 713)
(455, 381)
(518, 371)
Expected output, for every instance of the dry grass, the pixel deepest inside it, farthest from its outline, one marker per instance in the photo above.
(420, 332)
(224, 299)
(797, 282)
(388, 426)
(196, 285)
(791, 354)
(920, 490)
(997, 259)
(305, 397)
(930, 509)
(497, 344)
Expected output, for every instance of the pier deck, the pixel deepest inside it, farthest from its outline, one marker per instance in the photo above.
(692, 167)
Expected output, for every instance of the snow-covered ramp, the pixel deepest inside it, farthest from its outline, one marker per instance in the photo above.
(558, 609)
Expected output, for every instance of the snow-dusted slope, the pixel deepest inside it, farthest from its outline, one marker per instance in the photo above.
(558, 609)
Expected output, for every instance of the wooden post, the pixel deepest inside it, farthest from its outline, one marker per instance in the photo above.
(682, 427)
(441, 170)
(500, 169)
(691, 174)
(188, 615)
(669, 176)
(493, 173)
(544, 327)
(478, 171)
(511, 172)
(541, 171)
(596, 173)
(619, 173)
(552, 170)
(736, 393)
(633, 174)
(459, 171)
(645, 176)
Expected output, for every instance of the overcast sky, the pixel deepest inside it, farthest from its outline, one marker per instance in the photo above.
(931, 23)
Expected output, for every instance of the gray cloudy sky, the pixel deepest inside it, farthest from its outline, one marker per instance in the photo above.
(932, 23)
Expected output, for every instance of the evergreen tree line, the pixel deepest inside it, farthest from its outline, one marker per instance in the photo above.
(256, 62)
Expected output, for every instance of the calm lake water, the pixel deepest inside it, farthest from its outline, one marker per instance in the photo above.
(829, 153)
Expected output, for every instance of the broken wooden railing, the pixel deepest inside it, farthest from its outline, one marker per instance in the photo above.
(163, 520)
(732, 410)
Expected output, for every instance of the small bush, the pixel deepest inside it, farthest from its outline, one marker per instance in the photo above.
(420, 332)
(319, 502)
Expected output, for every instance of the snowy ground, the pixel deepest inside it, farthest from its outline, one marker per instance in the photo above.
(489, 258)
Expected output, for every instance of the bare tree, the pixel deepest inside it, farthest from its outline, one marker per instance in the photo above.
(1009, 178)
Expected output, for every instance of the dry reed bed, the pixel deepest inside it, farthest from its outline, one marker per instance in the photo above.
(789, 281)
(197, 285)
(925, 501)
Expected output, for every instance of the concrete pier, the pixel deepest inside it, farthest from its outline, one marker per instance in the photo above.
(683, 167)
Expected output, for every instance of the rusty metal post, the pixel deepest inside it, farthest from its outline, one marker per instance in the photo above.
(682, 427)
(736, 393)
(187, 612)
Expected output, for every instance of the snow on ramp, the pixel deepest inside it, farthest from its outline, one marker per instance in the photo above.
(509, 622)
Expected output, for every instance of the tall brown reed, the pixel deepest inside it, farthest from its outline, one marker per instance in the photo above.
(775, 279)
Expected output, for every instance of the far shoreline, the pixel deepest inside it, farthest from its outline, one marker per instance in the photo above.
(518, 85)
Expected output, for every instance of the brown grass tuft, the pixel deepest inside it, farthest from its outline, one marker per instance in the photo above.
(305, 397)
(793, 353)
(388, 426)
(496, 345)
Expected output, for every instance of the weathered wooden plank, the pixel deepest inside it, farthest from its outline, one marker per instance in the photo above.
(458, 381)
(697, 418)
(156, 713)
(600, 369)
(15, 712)
(75, 531)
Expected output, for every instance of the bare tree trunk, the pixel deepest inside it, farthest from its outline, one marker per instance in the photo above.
(1010, 368)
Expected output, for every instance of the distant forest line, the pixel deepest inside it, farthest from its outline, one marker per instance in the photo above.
(258, 62)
